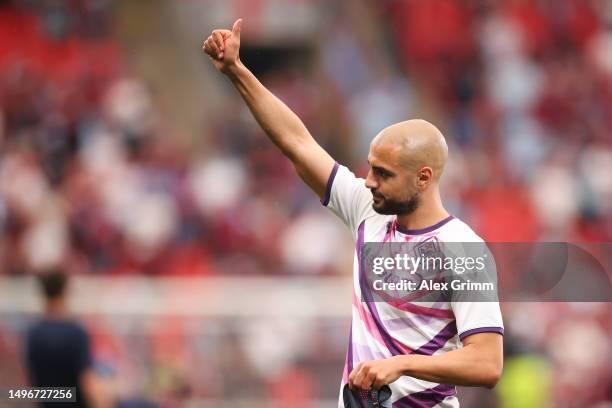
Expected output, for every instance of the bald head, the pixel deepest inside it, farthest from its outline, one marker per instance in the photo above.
(418, 144)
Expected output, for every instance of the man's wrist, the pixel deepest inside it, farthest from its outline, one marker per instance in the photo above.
(403, 364)
(233, 71)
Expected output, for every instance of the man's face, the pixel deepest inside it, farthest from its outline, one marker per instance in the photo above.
(392, 184)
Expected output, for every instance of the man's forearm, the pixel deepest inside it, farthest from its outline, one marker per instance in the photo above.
(281, 125)
(313, 164)
(478, 363)
(466, 366)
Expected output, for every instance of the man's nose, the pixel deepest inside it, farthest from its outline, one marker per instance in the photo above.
(370, 181)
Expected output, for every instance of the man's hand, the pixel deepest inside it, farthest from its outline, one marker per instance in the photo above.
(374, 374)
(222, 47)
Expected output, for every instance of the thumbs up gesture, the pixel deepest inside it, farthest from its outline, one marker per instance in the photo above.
(222, 47)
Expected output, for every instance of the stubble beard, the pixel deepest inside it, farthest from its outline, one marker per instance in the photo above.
(393, 207)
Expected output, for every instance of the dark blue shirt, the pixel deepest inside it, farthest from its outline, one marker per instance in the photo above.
(58, 351)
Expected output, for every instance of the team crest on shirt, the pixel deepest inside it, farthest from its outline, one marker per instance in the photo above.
(402, 271)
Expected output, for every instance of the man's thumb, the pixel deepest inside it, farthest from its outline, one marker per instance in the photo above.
(236, 28)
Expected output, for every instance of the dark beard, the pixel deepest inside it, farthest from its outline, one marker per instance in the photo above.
(392, 207)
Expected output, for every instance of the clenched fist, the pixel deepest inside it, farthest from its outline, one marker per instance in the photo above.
(374, 374)
(222, 47)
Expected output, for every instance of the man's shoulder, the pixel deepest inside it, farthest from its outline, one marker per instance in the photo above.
(64, 326)
(458, 231)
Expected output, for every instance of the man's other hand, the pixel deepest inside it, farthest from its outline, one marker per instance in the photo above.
(374, 374)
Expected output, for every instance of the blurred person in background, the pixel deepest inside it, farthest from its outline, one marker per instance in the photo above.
(58, 349)
(389, 344)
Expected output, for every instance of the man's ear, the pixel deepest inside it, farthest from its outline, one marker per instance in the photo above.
(424, 177)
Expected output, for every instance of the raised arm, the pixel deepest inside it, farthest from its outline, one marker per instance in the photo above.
(283, 127)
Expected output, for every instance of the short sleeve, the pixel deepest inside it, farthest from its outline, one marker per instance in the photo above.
(347, 197)
(477, 317)
(474, 316)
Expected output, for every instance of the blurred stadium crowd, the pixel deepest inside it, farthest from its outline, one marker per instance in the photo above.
(92, 179)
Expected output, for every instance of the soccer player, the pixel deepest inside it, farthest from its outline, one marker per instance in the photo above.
(420, 352)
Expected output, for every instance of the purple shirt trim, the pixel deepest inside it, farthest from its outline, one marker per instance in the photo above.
(499, 330)
(366, 296)
(439, 340)
(358, 245)
(427, 398)
(424, 230)
(330, 182)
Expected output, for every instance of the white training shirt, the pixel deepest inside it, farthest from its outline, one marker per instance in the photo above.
(379, 330)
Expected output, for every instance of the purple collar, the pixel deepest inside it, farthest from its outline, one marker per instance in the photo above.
(423, 230)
